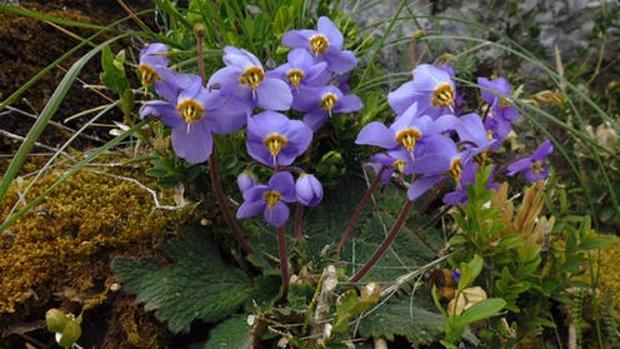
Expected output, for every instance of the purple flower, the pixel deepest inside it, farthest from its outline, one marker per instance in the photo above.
(456, 275)
(309, 190)
(440, 158)
(533, 166)
(152, 57)
(501, 115)
(496, 93)
(497, 129)
(477, 140)
(394, 161)
(270, 199)
(275, 140)
(409, 130)
(244, 77)
(301, 71)
(194, 113)
(342, 82)
(431, 88)
(459, 196)
(325, 44)
(246, 180)
(321, 103)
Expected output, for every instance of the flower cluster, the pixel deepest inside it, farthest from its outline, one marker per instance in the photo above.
(430, 141)
(311, 82)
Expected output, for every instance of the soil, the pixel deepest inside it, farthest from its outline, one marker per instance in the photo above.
(29, 46)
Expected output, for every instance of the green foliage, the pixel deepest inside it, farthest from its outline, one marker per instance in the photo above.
(481, 310)
(196, 285)
(403, 316)
(470, 271)
(351, 304)
(232, 333)
(113, 74)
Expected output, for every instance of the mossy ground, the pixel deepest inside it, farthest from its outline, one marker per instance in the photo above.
(59, 254)
(609, 279)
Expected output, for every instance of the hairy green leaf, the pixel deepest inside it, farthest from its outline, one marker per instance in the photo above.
(404, 317)
(233, 333)
(196, 285)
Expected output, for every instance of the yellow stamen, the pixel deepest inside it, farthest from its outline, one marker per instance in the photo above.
(252, 77)
(399, 165)
(147, 74)
(318, 44)
(490, 135)
(537, 167)
(328, 101)
(295, 76)
(275, 142)
(272, 197)
(482, 157)
(191, 111)
(443, 95)
(456, 169)
(408, 138)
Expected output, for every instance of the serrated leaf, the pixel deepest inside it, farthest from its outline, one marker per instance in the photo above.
(420, 326)
(482, 310)
(234, 333)
(196, 285)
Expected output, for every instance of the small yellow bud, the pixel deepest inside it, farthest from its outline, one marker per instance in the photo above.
(200, 30)
(56, 320)
(70, 334)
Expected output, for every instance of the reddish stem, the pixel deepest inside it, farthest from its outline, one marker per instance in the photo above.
(213, 171)
(402, 218)
(299, 217)
(222, 202)
(283, 258)
(359, 209)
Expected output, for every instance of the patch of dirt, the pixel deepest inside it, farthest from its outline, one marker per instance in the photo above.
(28, 46)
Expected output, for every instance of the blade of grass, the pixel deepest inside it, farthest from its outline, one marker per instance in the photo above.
(15, 95)
(20, 11)
(59, 151)
(50, 109)
(381, 41)
(72, 171)
(172, 11)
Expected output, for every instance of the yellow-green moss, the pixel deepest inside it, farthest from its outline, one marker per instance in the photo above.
(68, 242)
(609, 279)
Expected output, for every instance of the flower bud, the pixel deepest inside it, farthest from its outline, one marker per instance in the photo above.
(309, 190)
(200, 30)
(70, 334)
(56, 320)
(246, 180)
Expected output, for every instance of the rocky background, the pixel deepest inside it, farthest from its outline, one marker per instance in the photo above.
(580, 29)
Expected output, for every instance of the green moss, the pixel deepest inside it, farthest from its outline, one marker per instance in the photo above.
(609, 280)
(65, 245)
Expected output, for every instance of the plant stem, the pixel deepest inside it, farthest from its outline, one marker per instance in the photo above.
(299, 217)
(213, 171)
(400, 221)
(200, 56)
(359, 209)
(283, 258)
(222, 202)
